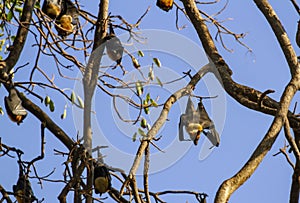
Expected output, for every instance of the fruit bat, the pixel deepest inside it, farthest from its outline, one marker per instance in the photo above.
(195, 122)
(298, 34)
(52, 8)
(65, 26)
(14, 108)
(114, 46)
(191, 120)
(67, 21)
(23, 191)
(102, 179)
(165, 5)
(208, 124)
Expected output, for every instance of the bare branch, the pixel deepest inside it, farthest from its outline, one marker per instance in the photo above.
(146, 171)
(230, 185)
(21, 36)
(280, 34)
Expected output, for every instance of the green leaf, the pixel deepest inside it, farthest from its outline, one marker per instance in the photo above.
(47, 100)
(73, 97)
(148, 97)
(13, 37)
(19, 9)
(51, 106)
(141, 132)
(9, 16)
(139, 88)
(151, 74)
(1, 111)
(153, 103)
(37, 5)
(159, 81)
(64, 114)
(135, 62)
(157, 62)
(144, 123)
(80, 102)
(140, 53)
(146, 109)
(134, 137)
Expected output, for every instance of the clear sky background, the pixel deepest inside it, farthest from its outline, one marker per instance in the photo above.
(264, 68)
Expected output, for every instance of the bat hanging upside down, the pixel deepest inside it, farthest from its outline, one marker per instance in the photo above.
(102, 179)
(14, 108)
(195, 122)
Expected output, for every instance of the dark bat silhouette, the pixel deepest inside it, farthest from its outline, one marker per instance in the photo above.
(23, 191)
(114, 46)
(14, 108)
(102, 179)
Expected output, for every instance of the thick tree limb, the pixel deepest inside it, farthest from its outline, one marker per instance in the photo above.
(44, 118)
(232, 184)
(295, 187)
(280, 33)
(249, 97)
(90, 79)
(21, 36)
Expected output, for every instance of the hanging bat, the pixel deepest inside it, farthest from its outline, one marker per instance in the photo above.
(209, 125)
(102, 179)
(114, 46)
(14, 108)
(52, 8)
(195, 122)
(165, 5)
(65, 26)
(191, 121)
(67, 21)
(23, 191)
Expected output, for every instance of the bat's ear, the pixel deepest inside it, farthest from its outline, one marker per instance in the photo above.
(189, 107)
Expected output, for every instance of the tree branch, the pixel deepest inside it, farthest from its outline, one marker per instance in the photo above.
(90, 79)
(295, 187)
(162, 119)
(280, 33)
(249, 97)
(44, 118)
(21, 36)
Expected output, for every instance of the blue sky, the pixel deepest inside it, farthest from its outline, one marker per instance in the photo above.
(263, 69)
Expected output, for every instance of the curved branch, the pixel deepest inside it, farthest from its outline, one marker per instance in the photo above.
(44, 118)
(280, 34)
(232, 184)
(162, 119)
(249, 97)
(5, 195)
